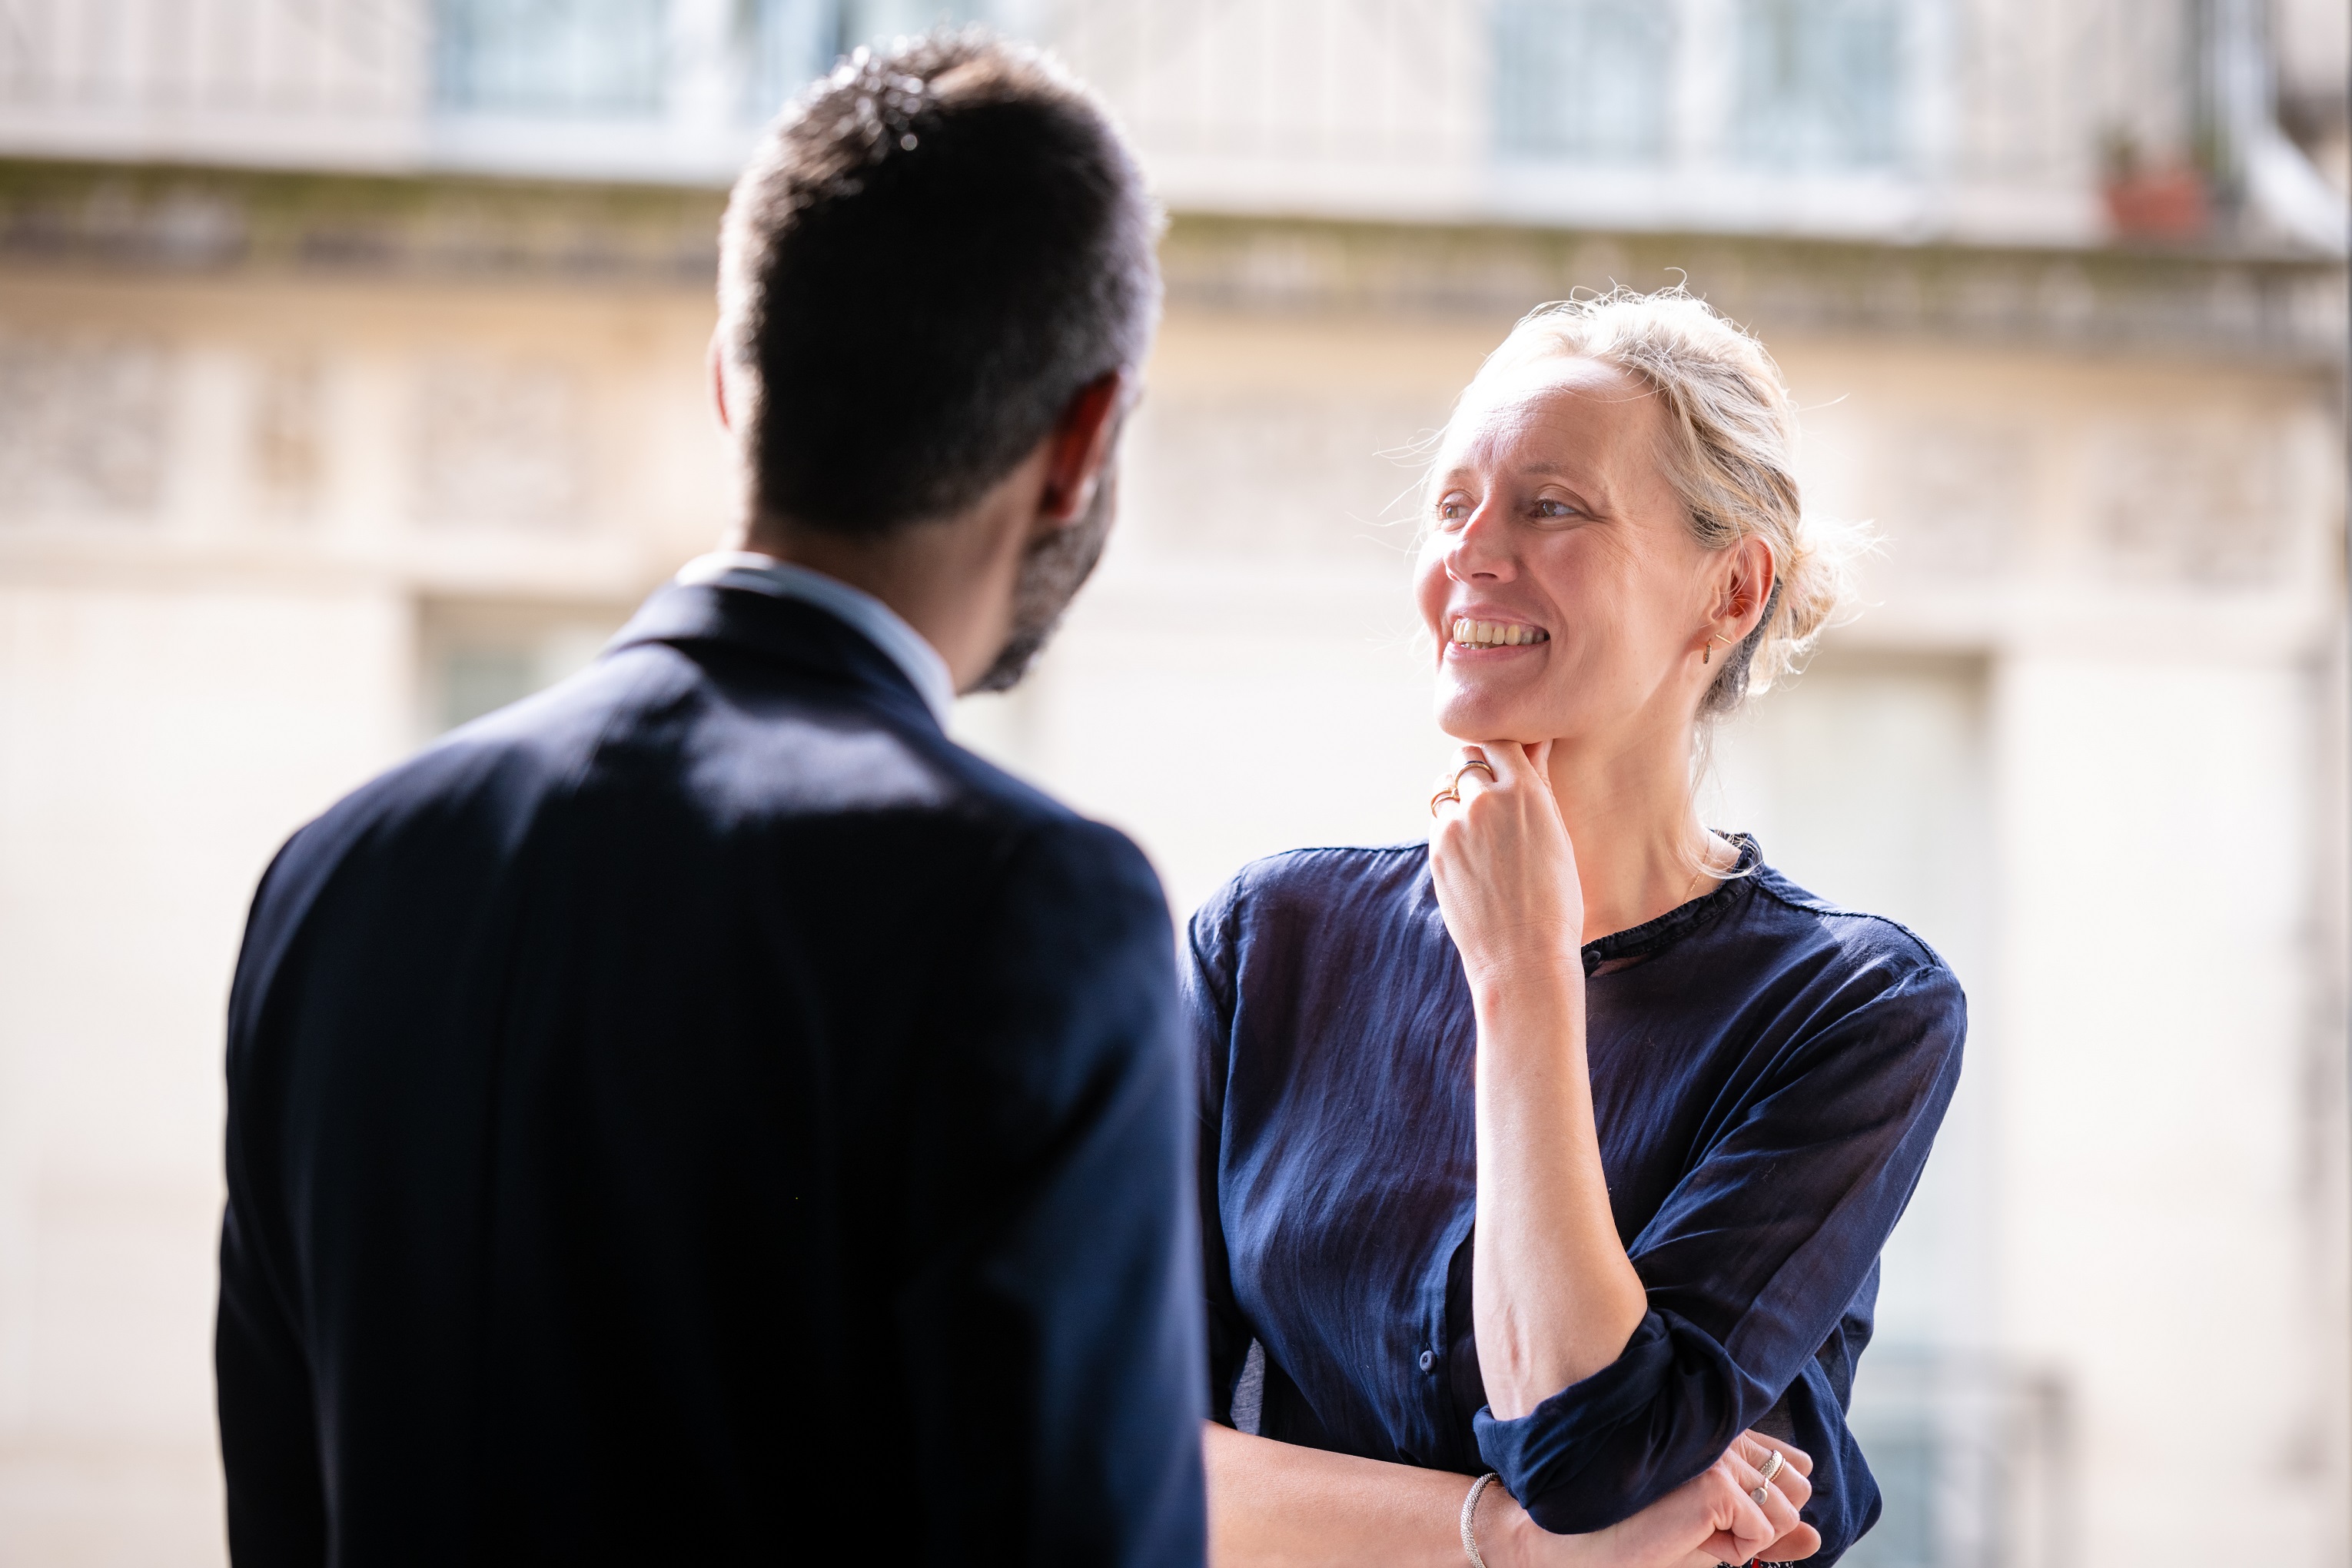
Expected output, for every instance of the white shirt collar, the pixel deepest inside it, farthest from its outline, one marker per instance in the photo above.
(882, 624)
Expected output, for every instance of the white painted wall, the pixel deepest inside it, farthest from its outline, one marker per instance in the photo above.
(158, 744)
(2159, 940)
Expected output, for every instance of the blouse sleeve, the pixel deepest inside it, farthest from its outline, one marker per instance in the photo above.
(1208, 982)
(1753, 1262)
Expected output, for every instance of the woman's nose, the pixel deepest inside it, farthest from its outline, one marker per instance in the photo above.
(1481, 549)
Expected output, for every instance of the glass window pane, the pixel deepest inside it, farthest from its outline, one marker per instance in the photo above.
(477, 657)
(1819, 83)
(874, 22)
(551, 57)
(792, 42)
(1583, 79)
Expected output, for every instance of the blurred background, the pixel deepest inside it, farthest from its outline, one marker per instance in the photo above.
(351, 386)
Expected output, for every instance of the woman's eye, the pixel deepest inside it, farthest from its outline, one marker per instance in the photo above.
(1554, 508)
(1453, 510)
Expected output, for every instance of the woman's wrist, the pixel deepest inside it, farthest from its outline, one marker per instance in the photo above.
(1509, 1538)
(1489, 1524)
(1524, 938)
(1526, 984)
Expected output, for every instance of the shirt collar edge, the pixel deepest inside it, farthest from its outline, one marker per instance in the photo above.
(880, 625)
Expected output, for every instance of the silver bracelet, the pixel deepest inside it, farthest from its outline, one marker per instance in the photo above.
(1470, 1520)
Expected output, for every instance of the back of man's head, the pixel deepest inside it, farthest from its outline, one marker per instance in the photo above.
(930, 253)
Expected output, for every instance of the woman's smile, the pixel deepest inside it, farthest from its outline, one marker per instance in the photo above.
(1478, 638)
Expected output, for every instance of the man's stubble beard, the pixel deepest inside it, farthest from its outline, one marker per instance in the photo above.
(1050, 574)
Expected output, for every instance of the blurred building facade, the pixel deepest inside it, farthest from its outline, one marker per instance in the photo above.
(351, 385)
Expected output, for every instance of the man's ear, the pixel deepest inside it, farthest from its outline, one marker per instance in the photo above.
(1078, 448)
(718, 384)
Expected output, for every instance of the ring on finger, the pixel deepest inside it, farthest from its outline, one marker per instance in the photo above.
(1759, 1494)
(1482, 764)
(1445, 794)
(1771, 1468)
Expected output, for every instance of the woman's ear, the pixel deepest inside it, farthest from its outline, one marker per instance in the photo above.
(1750, 587)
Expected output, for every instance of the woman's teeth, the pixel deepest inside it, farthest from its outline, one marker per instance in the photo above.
(1497, 634)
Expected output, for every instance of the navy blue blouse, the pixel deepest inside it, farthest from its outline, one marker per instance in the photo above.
(1767, 1074)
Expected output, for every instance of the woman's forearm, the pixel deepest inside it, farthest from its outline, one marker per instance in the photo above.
(1273, 1502)
(1555, 1297)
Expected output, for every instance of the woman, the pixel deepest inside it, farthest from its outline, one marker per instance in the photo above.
(1677, 1101)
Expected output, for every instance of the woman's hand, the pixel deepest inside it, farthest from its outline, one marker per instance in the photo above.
(1710, 1520)
(1790, 1486)
(1503, 867)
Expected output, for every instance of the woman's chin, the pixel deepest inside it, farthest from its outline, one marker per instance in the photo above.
(1472, 715)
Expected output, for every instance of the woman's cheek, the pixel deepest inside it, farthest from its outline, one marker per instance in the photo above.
(1429, 589)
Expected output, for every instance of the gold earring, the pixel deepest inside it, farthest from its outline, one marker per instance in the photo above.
(1706, 650)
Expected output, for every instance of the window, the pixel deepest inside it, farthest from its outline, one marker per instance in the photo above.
(477, 657)
(588, 57)
(1584, 79)
(791, 43)
(1867, 781)
(1819, 83)
(879, 21)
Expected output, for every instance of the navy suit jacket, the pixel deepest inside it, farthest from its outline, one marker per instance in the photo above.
(699, 1113)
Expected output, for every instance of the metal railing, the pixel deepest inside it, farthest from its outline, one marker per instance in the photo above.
(251, 58)
(1973, 1457)
(1366, 107)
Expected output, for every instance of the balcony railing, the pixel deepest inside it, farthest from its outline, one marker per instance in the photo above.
(1966, 119)
(1973, 1457)
(250, 60)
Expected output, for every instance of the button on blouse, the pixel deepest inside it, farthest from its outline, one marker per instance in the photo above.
(1768, 1073)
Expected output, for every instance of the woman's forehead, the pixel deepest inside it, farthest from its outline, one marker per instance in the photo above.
(1555, 407)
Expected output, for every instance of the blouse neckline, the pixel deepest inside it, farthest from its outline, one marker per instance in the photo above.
(1621, 948)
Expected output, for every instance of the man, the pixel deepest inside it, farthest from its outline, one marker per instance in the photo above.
(701, 1114)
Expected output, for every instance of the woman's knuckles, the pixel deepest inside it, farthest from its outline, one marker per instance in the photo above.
(1726, 1494)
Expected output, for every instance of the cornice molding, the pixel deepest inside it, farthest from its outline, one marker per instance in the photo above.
(195, 221)
(2267, 308)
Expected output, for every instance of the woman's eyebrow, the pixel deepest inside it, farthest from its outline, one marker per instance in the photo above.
(1579, 478)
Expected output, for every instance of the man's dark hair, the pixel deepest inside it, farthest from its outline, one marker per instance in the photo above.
(932, 251)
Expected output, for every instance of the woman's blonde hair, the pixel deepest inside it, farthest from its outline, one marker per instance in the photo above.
(1730, 455)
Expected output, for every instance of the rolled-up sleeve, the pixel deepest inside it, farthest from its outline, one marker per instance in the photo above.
(1753, 1261)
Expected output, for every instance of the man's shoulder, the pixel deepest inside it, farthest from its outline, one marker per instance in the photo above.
(649, 732)
(649, 781)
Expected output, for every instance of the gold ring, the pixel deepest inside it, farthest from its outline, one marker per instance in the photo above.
(1445, 793)
(1475, 763)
